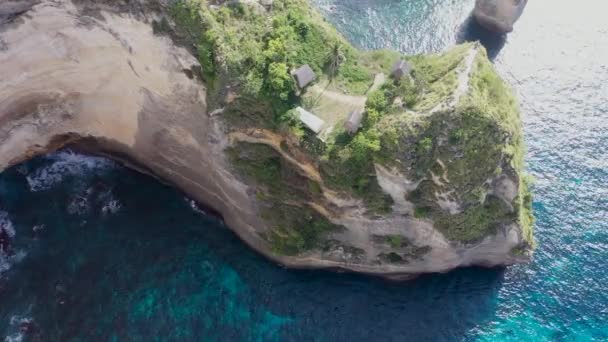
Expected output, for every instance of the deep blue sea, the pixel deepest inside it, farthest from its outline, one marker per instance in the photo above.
(91, 251)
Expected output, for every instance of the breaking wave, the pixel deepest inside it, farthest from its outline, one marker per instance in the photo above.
(20, 327)
(8, 256)
(64, 164)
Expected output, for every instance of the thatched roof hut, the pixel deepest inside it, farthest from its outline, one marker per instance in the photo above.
(304, 75)
(353, 123)
(400, 68)
(266, 3)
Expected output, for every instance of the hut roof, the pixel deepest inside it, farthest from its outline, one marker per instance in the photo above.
(304, 75)
(313, 122)
(400, 69)
(353, 123)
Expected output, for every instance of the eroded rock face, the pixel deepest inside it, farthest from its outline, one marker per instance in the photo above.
(108, 83)
(105, 82)
(499, 15)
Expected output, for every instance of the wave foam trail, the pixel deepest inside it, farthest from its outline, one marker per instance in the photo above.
(8, 256)
(63, 164)
(6, 226)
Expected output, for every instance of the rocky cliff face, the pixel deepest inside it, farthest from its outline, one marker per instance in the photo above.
(499, 15)
(101, 80)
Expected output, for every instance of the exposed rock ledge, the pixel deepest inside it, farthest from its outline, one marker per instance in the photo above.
(106, 83)
(499, 15)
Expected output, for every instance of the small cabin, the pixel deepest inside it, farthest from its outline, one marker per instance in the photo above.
(303, 75)
(266, 3)
(313, 122)
(400, 69)
(353, 123)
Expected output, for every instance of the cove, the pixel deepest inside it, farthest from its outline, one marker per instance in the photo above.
(112, 254)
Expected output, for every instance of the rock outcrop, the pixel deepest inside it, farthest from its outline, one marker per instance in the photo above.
(498, 15)
(104, 82)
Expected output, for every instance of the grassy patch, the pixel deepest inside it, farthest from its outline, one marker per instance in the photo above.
(413, 253)
(496, 99)
(396, 241)
(476, 222)
(295, 229)
(282, 193)
(434, 77)
(462, 149)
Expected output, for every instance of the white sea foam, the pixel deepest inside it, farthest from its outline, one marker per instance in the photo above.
(194, 206)
(17, 320)
(38, 227)
(5, 264)
(79, 204)
(111, 207)
(16, 323)
(17, 337)
(7, 257)
(6, 225)
(66, 163)
(7, 261)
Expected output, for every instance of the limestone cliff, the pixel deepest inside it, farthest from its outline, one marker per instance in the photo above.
(499, 15)
(440, 184)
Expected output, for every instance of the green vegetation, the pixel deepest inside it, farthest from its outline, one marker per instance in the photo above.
(496, 99)
(296, 230)
(396, 241)
(403, 249)
(475, 222)
(348, 163)
(283, 194)
(422, 212)
(434, 77)
(251, 51)
(379, 140)
(462, 149)
(258, 48)
(415, 253)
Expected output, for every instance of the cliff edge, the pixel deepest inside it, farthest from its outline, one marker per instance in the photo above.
(200, 95)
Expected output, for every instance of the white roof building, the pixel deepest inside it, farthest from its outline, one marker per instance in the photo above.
(313, 122)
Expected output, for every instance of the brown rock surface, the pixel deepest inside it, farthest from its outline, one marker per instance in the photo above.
(499, 15)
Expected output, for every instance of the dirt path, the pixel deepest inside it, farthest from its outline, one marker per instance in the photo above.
(379, 80)
(348, 100)
(306, 169)
(274, 140)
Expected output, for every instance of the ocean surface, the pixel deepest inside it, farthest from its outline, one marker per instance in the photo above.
(91, 251)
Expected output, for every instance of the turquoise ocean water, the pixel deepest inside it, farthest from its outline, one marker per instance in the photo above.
(90, 251)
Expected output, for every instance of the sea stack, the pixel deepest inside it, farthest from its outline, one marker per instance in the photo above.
(498, 15)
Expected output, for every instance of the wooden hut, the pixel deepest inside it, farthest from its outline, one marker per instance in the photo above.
(400, 68)
(353, 123)
(303, 75)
